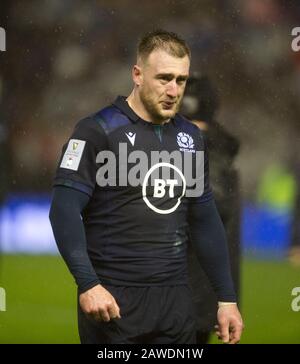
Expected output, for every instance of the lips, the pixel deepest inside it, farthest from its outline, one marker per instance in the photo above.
(168, 104)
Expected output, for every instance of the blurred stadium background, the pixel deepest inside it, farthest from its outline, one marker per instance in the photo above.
(66, 59)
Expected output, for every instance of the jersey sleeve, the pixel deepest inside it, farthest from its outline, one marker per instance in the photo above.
(77, 166)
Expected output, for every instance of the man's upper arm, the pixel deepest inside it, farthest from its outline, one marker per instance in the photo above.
(77, 166)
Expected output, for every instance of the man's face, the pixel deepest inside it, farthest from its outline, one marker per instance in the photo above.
(162, 82)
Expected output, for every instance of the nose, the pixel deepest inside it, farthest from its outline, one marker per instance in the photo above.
(172, 89)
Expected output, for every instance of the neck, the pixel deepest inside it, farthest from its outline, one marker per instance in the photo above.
(136, 104)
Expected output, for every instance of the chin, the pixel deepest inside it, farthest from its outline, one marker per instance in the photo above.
(168, 114)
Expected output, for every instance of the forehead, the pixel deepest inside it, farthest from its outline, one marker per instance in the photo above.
(160, 61)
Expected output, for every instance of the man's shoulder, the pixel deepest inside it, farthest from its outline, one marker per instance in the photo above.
(187, 126)
(104, 120)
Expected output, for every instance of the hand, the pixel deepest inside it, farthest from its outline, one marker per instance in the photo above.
(99, 303)
(230, 325)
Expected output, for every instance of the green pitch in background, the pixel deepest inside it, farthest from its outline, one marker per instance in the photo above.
(41, 301)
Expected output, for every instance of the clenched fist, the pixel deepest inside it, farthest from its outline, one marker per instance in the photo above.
(99, 303)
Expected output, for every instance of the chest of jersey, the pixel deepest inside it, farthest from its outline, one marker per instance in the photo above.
(161, 164)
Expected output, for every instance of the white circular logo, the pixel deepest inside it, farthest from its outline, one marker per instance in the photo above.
(160, 187)
(184, 140)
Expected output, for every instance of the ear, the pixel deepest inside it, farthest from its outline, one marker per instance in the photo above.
(137, 75)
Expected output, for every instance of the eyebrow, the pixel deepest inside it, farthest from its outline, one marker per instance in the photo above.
(171, 75)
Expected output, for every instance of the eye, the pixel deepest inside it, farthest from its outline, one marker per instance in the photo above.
(181, 81)
(165, 79)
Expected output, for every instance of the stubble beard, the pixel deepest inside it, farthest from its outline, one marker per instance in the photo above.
(153, 108)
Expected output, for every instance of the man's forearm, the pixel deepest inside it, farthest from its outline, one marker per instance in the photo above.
(68, 229)
(208, 237)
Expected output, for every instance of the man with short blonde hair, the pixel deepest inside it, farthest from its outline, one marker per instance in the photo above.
(128, 252)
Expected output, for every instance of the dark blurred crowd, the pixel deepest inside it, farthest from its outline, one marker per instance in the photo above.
(66, 59)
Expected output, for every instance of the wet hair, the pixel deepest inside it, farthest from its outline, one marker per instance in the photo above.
(160, 39)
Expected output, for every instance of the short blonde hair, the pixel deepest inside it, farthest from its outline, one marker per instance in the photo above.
(160, 39)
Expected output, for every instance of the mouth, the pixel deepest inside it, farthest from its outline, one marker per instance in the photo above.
(167, 105)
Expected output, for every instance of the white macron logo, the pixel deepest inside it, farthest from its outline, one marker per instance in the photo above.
(131, 137)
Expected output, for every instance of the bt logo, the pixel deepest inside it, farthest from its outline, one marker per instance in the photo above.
(163, 187)
(160, 187)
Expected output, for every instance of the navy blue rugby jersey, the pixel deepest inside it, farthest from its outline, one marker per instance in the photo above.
(136, 218)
